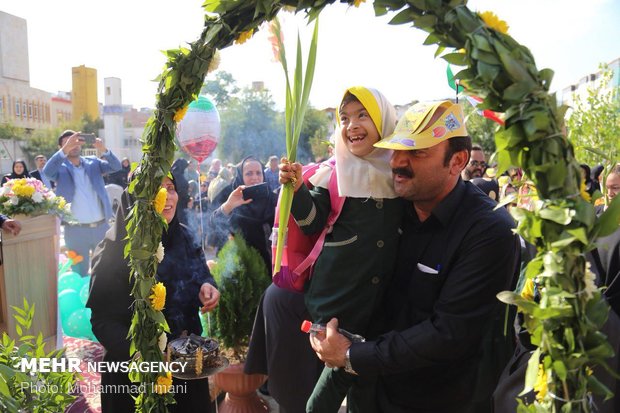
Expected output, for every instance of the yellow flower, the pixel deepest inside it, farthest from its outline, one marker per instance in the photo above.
(494, 22)
(158, 298)
(164, 383)
(244, 36)
(160, 200)
(583, 191)
(357, 3)
(24, 190)
(528, 289)
(540, 387)
(180, 114)
(61, 203)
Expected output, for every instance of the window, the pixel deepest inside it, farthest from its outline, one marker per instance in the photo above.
(24, 110)
(30, 110)
(17, 107)
(1, 105)
(36, 112)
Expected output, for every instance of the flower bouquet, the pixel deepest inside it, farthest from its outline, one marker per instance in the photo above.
(28, 196)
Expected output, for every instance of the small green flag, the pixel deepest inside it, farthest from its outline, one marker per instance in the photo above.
(452, 80)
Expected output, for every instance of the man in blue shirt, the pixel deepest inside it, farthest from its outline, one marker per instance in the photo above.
(79, 180)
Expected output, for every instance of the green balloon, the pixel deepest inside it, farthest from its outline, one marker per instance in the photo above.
(68, 301)
(69, 280)
(78, 324)
(84, 293)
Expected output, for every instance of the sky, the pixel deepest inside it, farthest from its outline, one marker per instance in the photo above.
(124, 39)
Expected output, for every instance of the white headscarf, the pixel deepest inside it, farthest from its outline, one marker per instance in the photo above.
(371, 175)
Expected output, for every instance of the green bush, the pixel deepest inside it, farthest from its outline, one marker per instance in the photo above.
(242, 277)
(32, 392)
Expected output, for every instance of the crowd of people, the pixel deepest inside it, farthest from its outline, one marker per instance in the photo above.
(413, 263)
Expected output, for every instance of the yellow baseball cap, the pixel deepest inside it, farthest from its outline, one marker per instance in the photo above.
(419, 128)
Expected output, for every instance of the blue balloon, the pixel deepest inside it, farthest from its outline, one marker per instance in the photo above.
(78, 324)
(69, 280)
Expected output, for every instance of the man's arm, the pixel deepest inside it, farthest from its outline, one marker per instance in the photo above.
(52, 166)
(109, 163)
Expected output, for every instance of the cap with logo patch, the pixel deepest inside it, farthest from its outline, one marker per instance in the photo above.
(424, 125)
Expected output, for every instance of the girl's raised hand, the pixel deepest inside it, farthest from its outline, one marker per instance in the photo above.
(290, 172)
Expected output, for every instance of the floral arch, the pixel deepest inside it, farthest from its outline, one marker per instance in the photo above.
(565, 323)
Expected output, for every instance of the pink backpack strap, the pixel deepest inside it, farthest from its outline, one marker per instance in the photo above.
(337, 202)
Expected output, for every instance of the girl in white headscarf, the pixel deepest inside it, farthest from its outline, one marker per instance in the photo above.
(359, 254)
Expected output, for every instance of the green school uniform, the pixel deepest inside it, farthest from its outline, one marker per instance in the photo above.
(358, 258)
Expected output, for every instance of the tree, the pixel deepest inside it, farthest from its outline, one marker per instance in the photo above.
(314, 131)
(594, 124)
(223, 89)
(90, 125)
(8, 131)
(251, 126)
(42, 141)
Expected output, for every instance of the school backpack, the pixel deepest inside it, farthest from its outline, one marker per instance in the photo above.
(300, 250)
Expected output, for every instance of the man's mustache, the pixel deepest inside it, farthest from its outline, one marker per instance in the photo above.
(403, 172)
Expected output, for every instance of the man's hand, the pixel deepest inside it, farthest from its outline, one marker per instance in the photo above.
(290, 172)
(330, 346)
(74, 141)
(12, 226)
(99, 145)
(209, 297)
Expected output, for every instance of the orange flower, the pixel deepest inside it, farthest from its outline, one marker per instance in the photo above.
(357, 3)
(73, 256)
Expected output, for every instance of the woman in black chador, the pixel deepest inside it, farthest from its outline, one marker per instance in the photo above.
(189, 286)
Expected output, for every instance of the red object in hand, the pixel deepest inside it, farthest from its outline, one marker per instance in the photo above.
(308, 326)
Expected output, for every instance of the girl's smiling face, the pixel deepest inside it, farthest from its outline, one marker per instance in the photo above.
(358, 130)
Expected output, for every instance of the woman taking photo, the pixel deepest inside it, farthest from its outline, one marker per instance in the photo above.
(189, 285)
(252, 217)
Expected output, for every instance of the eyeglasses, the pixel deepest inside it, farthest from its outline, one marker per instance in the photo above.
(481, 164)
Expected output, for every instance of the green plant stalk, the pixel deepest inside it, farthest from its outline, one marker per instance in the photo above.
(296, 106)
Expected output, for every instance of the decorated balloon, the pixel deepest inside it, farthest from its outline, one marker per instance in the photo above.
(199, 130)
(78, 324)
(84, 293)
(69, 280)
(68, 302)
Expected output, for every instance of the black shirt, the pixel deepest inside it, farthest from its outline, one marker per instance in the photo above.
(440, 304)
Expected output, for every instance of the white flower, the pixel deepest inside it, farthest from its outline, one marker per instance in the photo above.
(160, 252)
(37, 197)
(13, 200)
(4, 190)
(589, 281)
(162, 342)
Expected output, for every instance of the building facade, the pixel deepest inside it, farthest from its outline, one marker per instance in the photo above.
(84, 92)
